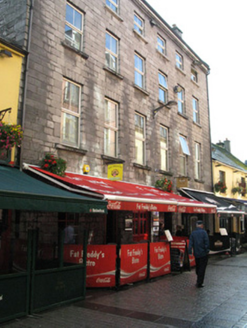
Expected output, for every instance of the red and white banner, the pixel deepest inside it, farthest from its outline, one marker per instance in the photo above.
(101, 263)
(139, 206)
(196, 209)
(133, 263)
(160, 261)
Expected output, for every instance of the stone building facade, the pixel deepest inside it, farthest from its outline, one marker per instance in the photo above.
(96, 71)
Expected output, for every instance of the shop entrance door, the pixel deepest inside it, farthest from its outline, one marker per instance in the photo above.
(140, 226)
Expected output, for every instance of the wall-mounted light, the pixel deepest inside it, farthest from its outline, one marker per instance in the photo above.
(3, 112)
(6, 53)
(153, 23)
(177, 89)
(167, 105)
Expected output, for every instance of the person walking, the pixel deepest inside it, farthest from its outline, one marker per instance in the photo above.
(199, 242)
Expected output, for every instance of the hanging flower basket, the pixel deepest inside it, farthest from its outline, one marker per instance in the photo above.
(10, 136)
(220, 187)
(164, 184)
(238, 190)
(53, 164)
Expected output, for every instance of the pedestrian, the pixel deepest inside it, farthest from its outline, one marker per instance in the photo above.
(161, 229)
(199, 242)
(179, 231)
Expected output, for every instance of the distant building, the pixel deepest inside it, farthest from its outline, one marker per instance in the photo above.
(228, 171)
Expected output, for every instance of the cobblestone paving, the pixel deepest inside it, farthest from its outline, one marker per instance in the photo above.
(171, 301)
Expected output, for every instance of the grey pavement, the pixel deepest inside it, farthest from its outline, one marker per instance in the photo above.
(166, 302)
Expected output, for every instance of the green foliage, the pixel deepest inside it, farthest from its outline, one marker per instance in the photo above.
(220, 187)
(164, 184)
(53, 164)
(238, 190)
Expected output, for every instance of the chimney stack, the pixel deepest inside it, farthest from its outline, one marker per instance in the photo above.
(227, 145)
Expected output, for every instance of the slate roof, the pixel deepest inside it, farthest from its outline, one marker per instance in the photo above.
(222, 155)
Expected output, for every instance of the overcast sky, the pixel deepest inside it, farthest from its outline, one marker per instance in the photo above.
(216, 31)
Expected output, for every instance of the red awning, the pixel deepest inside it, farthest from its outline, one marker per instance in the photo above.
(127, 196)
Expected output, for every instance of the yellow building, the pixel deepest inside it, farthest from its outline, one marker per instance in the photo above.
(10, 72)
(229, 173)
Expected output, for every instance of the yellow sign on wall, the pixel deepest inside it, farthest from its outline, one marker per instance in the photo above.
(115, 172)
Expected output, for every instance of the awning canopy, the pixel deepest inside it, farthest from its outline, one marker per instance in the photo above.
(223, 206)
(19, 191)
(127, 196)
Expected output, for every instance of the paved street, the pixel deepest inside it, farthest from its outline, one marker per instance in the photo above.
(167, 302)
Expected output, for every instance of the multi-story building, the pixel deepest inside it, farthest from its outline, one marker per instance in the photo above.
(103, 82)
(112, 82)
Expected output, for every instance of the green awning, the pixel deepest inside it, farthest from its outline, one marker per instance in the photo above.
(19, 191)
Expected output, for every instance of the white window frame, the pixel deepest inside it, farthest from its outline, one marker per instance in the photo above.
(111, 129)
(163, 87)
(139, 72)
(110, 55)
(179, 61)
(194, 75)
(164, 164)
(69, 112)
(197, 161)
(181, 105)
(75, 30)
(140, 158)
(161, 47)
(113, 5)
(184, 152)
(195, 105)
(139, 28)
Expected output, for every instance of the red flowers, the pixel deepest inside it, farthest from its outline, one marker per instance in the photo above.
(54, 165)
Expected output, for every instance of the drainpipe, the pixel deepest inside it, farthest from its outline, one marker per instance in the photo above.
(208, 72)
(31, 5)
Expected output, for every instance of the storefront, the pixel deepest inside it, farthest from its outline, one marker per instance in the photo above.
(34, 274)
(132, 227)
(226, 227)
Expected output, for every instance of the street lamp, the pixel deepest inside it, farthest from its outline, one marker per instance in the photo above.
(167, 105)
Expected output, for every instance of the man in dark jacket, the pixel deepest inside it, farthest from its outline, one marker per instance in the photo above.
(199, 242)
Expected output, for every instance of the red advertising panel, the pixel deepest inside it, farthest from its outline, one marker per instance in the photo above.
(133, 263)
(160, 261)
(180, 243)
(101, 263)
(191, 257)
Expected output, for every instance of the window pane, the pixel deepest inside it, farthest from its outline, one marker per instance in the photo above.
(162, 80)
(184, 145)
(182, 165)
(180, 107)
(162, 95)
(112, 4)
(71, 95)
(161, 45)
(77, 20)
(110, 142)
(69, 14)
(73, 28)
(70, 129)
(138, 63)
(138, 24)
(110, 131)
(139, 151)
(110, 113)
